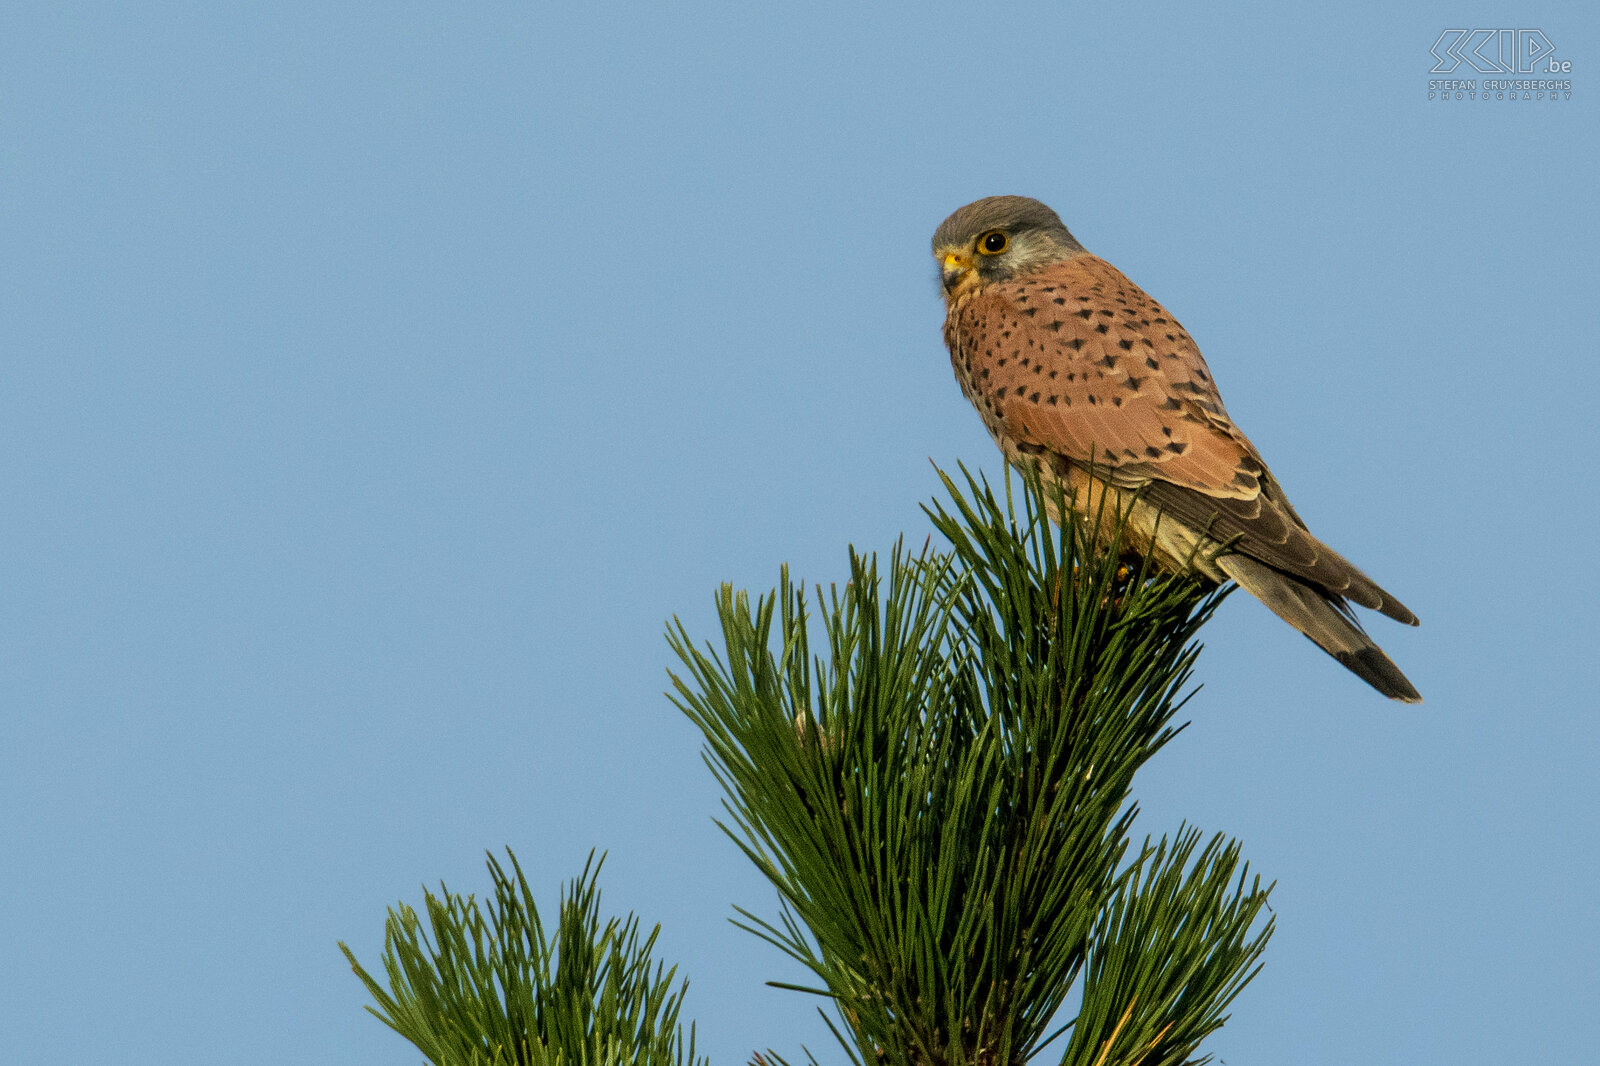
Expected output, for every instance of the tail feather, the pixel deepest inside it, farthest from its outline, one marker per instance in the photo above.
(1325, 619)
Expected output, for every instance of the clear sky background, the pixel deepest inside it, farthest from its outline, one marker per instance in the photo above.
(378, 379)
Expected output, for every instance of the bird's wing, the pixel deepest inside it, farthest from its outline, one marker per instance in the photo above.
(1077, 359)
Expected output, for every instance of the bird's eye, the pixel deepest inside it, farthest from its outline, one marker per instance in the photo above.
(993, 243)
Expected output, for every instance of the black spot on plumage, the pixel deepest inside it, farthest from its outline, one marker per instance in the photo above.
(1108, 361)
(1101, 328)
(1116, 401)
(1086, 314)
(1152, 452)
(1177, 447)
(1151, 363)
(1033, 398)
(1076, 344)
(1125, 344)
(1059, 300)
(1172, 403)
(1021, 389)
(1056, 326)
(1051, 401)
(1134, 383)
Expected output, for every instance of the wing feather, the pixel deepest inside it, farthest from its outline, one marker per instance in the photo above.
(1077, 359)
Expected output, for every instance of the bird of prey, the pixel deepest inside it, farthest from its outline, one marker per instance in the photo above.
(1079, 374)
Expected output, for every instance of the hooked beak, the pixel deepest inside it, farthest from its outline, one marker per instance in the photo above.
(953, 266)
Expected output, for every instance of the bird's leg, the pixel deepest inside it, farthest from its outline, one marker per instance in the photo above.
(1123, 578)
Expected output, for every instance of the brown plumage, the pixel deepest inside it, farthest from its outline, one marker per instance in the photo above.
(1078, 372)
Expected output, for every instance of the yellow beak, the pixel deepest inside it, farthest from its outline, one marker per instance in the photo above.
(952, 268)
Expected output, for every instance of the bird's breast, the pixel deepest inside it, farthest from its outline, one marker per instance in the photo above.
(963, 361)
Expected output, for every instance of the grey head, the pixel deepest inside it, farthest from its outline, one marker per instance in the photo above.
(999, 237)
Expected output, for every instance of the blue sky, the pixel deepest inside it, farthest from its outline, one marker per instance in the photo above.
(378, 379)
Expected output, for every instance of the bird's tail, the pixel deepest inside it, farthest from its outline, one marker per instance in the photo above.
(1325, 619)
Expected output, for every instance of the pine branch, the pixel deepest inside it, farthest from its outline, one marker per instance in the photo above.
(490, 989)
(1169, 954)
(940, 792)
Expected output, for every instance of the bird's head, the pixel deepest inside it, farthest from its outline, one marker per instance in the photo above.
(997, 238)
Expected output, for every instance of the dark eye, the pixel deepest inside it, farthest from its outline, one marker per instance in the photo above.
(992, 243)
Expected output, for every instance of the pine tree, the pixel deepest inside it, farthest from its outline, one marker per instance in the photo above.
(932, 766)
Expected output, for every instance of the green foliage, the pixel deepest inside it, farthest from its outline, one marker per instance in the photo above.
(940, 794)
(489, 989)
(1168, 955)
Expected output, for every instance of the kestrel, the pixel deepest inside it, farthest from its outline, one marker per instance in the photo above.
(1081, 375)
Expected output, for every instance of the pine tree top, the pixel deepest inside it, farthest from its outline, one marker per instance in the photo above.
(932, 765)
